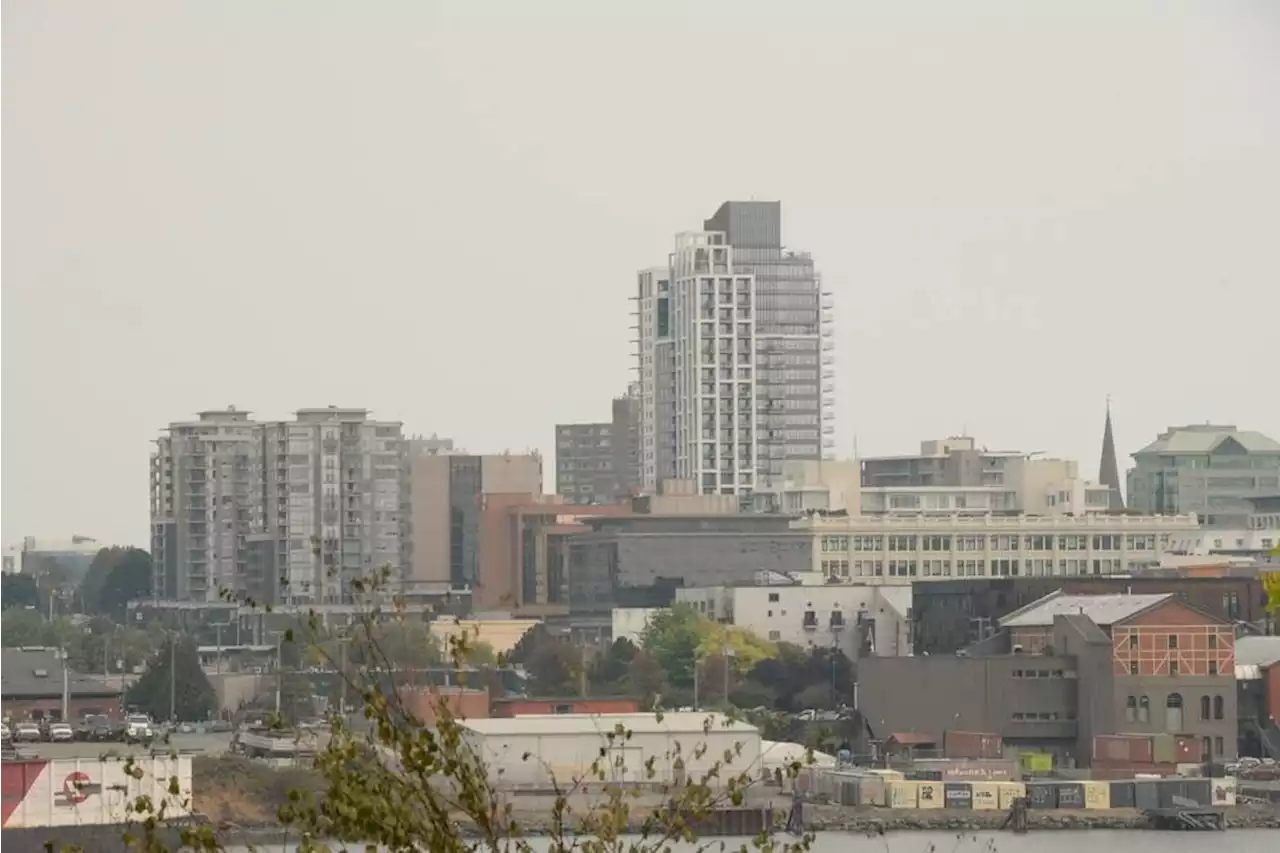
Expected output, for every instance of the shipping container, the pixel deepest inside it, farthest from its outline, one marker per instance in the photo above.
(1036, 762)
(1122, 795)
(1129, 770)
(1165, 749)
(930, 795)
(986, 795)
(1123, 748)
(872, 791)
(1010, 791)
(958, 795)
(924, 775)
(903, 795)
(849, 794)
(73, 792)
(1070, 795)
(1146, 794)
(972, 745)
(1224, 792)
(889, 775)
(1097, 795)
(1187, 750)
(1043, 795)
(970, 769)
(1199, 791)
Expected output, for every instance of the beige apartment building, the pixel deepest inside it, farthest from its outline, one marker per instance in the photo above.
(925, 548)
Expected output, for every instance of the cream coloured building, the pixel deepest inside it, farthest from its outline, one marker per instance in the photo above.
(923, 547)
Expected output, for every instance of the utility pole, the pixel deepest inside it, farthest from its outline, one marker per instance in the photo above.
(279, 672)
(695, 682)
(66, 689)
(342, 677)
(217, 666)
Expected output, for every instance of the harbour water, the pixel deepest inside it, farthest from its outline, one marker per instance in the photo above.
(1054, 841)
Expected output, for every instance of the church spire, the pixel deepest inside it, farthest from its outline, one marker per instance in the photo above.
(1109, 468)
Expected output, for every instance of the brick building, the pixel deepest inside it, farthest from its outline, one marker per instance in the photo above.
(32, 685)
(519, 706)
(1066, 669)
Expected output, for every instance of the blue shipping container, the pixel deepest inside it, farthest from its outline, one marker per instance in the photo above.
(957, 795)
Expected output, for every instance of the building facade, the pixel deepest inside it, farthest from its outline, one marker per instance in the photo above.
(929, 548)
(1154, 665)
(732, 337)
(447, 496)
(858, 619)
(282, 512)
(599, 463)
(1210, 470)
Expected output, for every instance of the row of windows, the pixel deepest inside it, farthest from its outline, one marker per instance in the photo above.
(1137, 709)
(995, 542)
(1170, 640)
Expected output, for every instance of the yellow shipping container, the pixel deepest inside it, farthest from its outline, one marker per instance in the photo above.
(1035, 762)
(986, 795)
(891, 775)
(903, 795)
(1010, 791)
(1097, 795)
(929, 795)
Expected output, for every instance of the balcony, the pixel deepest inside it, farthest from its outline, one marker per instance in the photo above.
(810, 621)
(838, 622)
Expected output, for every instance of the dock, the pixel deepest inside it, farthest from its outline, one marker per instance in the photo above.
(1188, 818)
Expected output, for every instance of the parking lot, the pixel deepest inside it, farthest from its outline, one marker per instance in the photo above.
(207, 744)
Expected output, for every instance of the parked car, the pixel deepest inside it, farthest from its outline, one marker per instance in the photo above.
(97, 728)
(27, 731)
(138, 729)
(220, 726)
(5, 734)
(61, 733)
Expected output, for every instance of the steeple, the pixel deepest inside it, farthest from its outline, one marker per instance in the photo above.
(1109, 468)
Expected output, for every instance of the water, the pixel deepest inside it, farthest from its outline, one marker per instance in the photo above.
(1047, 841)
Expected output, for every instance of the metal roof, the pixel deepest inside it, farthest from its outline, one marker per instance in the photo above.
(1102, 610)
(32, 674)
(1206, 438)
(685, 722)
(1257, 651)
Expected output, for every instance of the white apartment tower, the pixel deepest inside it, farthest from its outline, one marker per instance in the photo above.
(735, 356)
(296, 511)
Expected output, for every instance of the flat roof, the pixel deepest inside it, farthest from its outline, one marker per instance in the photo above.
(1102, 610)
(681, 722)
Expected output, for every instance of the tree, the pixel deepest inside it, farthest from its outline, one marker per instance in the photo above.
(25, 628)
(174, 682)
(646, 679)
(554, 669)
(609, 672)
(128, 579)
(296, 694)
(672, 637)
(530, 642)
(95, 578)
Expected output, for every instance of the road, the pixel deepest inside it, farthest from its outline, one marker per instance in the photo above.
(208, 744)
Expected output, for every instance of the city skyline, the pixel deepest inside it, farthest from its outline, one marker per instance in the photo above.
(1005, 250)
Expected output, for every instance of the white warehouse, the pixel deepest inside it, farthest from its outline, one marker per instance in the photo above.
(531, 751)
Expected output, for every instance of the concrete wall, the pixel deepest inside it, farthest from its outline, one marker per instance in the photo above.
(981, 694)
(429, 498)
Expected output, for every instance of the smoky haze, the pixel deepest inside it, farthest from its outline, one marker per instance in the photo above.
(436, 211)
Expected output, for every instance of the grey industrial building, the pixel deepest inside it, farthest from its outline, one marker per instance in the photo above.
(1065, 669)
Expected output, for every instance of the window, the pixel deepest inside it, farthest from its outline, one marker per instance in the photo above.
(1173, 666)
(1131, 709)
(1204, 707)
(773, 596)
(1173, 641)
(1144, 709)
(1173, 713)
(1213, 641)
(775, 635)
(1213, 667)
(1133, 639)
(1217, 707)
(1133, 667)
(1218, 745)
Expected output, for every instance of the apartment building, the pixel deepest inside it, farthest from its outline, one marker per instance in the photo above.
(736, 369)
(284, 512)
(597, 463)
(1211, 470)
(804, 610)
(954, 475)
(808, 485)
(927, 548)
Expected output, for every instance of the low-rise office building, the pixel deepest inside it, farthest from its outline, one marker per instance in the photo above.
(954, 614)
(935, 548)
(1066, 669)
(805, 611)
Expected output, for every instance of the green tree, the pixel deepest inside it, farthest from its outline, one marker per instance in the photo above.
(672, 637)
(530, 642)
(646, 679)
(95, 578)
(555, 669)
(609, 671)
(25, 628)
(128, 579)
(174, 680)
(297, 702)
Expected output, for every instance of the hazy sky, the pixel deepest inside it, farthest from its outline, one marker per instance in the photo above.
(436, 210)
